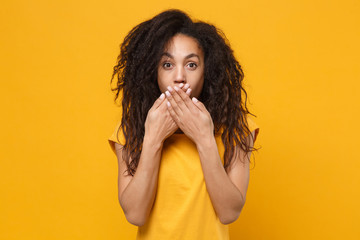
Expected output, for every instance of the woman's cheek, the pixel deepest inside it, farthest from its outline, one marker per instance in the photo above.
(197, 90)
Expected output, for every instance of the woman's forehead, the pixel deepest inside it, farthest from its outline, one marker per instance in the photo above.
(184, 45)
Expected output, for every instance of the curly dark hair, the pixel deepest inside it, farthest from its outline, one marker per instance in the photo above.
(136, 71)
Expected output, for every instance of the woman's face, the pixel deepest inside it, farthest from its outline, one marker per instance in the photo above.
(182, 62)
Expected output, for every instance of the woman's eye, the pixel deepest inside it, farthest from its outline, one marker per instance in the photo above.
(192, 65)
(166, 65)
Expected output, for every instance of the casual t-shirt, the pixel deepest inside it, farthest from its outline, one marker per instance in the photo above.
(182, 208)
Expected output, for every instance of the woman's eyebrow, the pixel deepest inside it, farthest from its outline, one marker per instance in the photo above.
(188, 56)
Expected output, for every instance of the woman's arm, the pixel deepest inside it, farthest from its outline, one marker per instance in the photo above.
(193, 118)
(227, 198)
(137, 198)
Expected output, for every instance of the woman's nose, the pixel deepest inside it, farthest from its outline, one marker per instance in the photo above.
(180, 76)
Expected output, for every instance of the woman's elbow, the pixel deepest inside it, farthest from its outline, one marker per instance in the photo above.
(230, 218)
(133, 217)
(135, 220)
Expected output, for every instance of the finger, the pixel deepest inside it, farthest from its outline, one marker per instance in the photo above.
(173, 114)
(174, 104)
(163, 105)
(158, 101)
(188, 92)
(199, 104)
(177, 98)
(185, 97)
(185, 88)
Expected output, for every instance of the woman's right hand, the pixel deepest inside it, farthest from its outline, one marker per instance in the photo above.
(159, 124)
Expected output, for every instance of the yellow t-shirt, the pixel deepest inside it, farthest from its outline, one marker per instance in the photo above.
(182, 207)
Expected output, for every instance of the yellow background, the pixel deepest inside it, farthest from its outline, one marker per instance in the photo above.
(302, 73)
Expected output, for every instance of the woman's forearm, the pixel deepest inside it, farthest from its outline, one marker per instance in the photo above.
(225, 196)
(138, 197)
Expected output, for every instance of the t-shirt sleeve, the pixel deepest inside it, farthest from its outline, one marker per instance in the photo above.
(253, 126)
(116, 137)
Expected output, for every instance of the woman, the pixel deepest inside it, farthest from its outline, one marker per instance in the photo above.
(185, 137)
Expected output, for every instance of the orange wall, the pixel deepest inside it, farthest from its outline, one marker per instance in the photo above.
(58, 176)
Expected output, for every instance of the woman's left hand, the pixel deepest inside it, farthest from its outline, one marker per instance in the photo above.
(191, 116)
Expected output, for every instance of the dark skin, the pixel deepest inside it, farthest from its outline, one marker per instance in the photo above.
(227, 190)
(190, 115)
(183, 63)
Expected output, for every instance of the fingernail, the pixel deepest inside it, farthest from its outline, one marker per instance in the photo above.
(167, 93)
(186, 86)
(194, 100)
(181, 85)
(188, 91)
(176, 88)
(169, 88)
(162, 96)
(168, 103)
